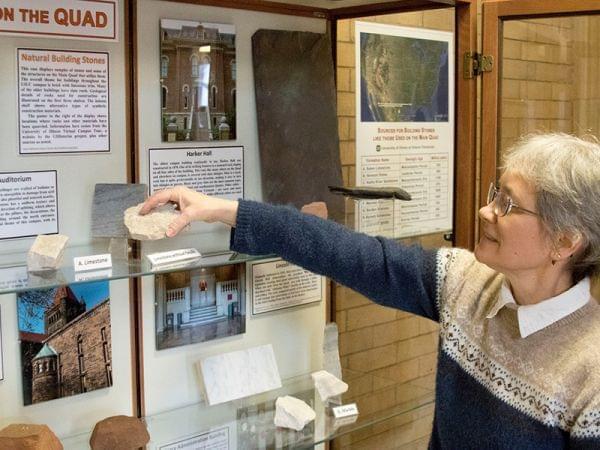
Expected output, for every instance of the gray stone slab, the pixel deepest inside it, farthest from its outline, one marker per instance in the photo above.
(297, 118)
(110, 202)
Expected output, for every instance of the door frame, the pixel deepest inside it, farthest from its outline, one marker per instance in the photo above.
(494, 13)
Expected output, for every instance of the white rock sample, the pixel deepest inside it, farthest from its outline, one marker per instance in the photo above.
(153, 225)
(328, 385)
(293, 413)
(46, 252)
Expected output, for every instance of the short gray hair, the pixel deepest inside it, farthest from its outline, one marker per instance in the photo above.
(565, 172)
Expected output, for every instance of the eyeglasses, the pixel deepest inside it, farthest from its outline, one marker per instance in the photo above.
(503, 204)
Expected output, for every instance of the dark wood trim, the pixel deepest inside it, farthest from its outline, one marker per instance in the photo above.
(352, 12)
(263, 6)
(133, 176)
(528, 8)
(465, 214)
(489, 98)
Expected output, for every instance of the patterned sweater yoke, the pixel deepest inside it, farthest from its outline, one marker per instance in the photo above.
(551, 376)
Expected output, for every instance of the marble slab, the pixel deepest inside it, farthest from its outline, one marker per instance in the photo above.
(110, 202)
(297, 118)
(234, 375)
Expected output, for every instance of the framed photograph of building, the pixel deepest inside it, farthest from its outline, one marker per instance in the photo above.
(65, 341)
(197, 81)
(199, 305)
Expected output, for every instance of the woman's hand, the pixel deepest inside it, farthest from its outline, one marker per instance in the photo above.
(193, 206)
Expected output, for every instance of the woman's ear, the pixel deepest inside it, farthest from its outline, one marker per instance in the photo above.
(569, 243)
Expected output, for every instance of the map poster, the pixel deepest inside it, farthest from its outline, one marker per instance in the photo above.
(405, 127)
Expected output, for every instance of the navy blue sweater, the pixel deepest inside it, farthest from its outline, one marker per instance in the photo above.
(493, 388)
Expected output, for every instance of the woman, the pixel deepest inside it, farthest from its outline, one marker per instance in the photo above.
(518, 366)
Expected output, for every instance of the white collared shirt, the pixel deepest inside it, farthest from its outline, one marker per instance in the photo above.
(533, 318)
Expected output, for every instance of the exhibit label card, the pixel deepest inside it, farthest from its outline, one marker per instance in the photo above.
(63, 101)
(279, 284)
(84, 19)
(217, 439)
(238, 374)
(405, 127)
(210, 170)
(93, 262)
(28, 204)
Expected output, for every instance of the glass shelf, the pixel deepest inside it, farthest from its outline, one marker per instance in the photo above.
(14, 276)
(248, 423)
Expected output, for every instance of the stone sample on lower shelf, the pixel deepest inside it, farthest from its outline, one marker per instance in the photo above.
(119, 432)
(46, 252)
(151, 226)
(28, 437)
(291, 412)
(328, 385)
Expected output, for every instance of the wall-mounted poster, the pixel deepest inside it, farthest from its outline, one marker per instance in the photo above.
(199, 305)
(79, 19)
(210, 170)
(405, 127)
(63, 101)
(197, 81)
(65, 341)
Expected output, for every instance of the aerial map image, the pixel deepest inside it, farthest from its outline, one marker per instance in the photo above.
(403, 79)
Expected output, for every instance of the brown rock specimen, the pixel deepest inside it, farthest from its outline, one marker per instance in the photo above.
(21, 436)
(119, 433)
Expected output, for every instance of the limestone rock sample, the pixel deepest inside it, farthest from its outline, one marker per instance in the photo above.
(328, 385)
(153, 225)
(46, 252)
(28, 437)
(293, 413)
(119, 433)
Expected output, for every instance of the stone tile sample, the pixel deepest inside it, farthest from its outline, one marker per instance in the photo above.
(119, 432)
(328, 385)
(153, 225)
(297, 118)
(110, 202)
(291, 412)
(28, 437)
(238, 374)
(46, 252)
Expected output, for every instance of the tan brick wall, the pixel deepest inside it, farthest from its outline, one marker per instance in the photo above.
(537, 73)
(388, 356)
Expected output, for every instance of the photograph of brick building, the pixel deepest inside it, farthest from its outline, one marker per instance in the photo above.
(198, 81)
(65, 341)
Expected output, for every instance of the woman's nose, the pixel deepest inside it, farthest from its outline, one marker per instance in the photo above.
(487, 213)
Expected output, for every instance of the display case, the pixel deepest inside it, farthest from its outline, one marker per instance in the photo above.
(154, 88)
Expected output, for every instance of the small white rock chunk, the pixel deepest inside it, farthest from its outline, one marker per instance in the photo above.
(291, 412)
(328, 385)
(46, 252)
(153, 225)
